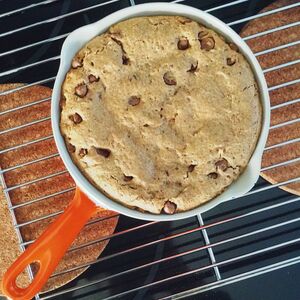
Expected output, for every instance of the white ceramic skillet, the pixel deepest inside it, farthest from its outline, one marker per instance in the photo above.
(53, 243)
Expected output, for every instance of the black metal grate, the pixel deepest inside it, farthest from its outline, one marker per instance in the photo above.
(237, 240)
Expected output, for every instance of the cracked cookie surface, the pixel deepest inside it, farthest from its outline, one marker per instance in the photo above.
(160, 113)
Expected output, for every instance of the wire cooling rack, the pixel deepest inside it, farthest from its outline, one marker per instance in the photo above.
(244, 238)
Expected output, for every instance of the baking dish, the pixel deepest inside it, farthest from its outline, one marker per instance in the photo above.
(74, 42)
(77, 39)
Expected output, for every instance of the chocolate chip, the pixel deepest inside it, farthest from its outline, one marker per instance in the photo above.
(193, 67)
(81, 90)
(127, 178)
(76, 118)
(213, 175)
(169, 78)
(71, 148)
(103, 152)
(83, 152)
(169, 207)
(222, 164)
(230, 61)
(146, 125)
(76, 63)
(93, 78)
(233, 47)
(207, 43)
(191, 168)
(183, 43)
(134, 100)
(167, 173)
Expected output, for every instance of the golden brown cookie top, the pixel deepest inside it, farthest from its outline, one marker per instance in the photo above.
(160, 113)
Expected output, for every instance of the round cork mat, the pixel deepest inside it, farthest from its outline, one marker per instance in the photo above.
(281, 95)
(9, 245)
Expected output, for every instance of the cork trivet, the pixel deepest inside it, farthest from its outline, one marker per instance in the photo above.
(282, 95)
(94, 231)
(9, 237)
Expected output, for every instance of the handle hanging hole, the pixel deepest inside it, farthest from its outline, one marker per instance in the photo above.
(22, 280)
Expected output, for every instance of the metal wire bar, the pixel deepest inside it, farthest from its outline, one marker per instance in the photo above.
(24, 8)
(37, 63)
(277, 48)
(209, 249)
(35, 181)
(284, 65)
(54, 215)
(285, 123)
(25, 125)
(24, 106)
(294, 101)
(281, 164)
(279, 28)
(106, 237)
(26, 144)
(269, 187)
(93, 221)
(266, 13)
(225, 5)
(42, 198)
(283, 144)
(37, 220)
(52, 39)
(29, 163)
(217, 7)
(10, 91)
(279, 86)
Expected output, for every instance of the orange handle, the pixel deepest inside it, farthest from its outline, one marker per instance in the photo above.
(49, 248)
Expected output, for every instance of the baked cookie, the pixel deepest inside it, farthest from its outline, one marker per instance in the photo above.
(160, 113)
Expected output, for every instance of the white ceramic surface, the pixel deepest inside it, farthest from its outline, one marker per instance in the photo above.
(78, 38)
